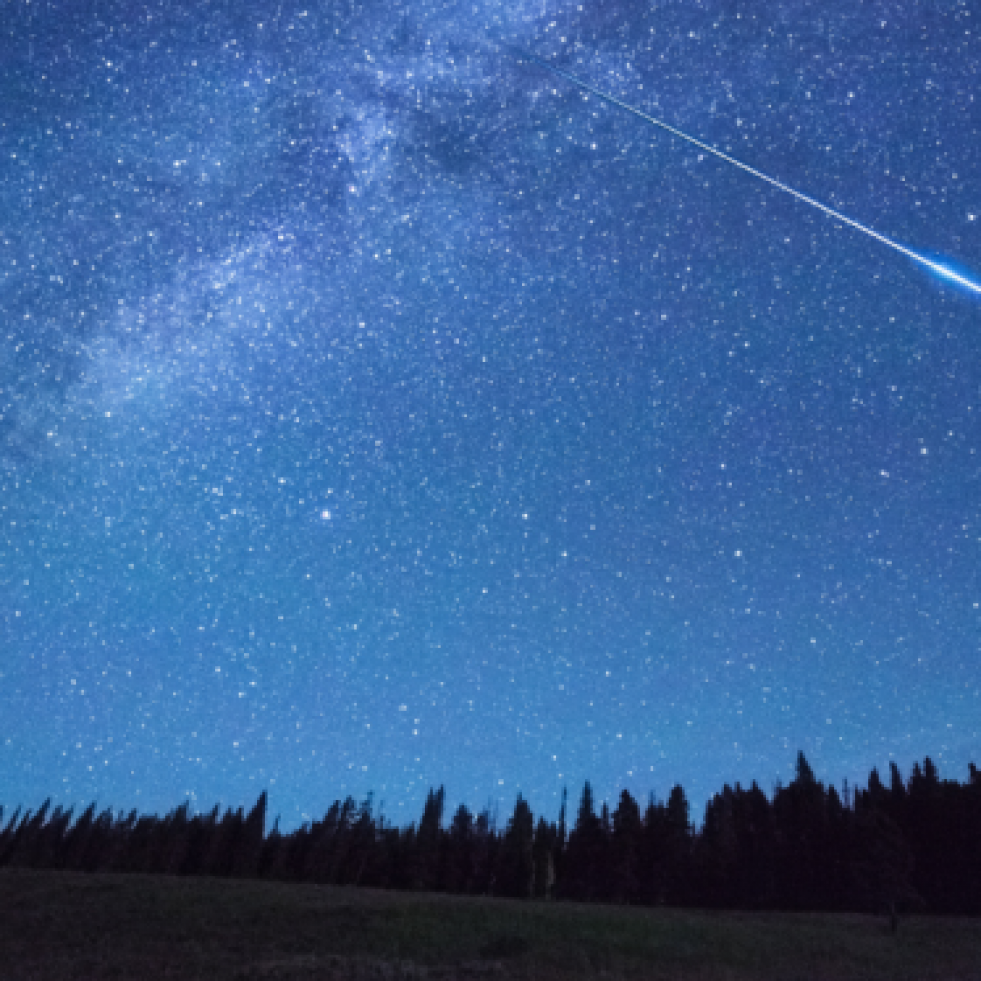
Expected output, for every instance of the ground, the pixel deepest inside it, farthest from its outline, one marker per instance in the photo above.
(59, 925)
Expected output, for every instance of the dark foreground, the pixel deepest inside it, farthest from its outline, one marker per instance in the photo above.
(96, 926)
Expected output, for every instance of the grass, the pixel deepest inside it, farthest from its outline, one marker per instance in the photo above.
(60, 925)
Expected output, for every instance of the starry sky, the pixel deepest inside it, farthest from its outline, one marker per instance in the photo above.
(378, 410)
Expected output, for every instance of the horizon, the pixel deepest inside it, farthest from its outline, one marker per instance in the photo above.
(493, 806)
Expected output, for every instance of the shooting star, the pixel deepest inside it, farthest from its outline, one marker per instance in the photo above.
(937, 268)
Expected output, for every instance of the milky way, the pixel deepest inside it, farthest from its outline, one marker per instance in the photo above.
(375, 413)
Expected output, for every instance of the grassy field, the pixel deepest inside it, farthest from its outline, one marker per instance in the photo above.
(70, 925)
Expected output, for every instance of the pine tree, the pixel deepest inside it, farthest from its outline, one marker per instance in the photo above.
(757, 848)
(625, 848)
(191, 840)
(878, 796)
(429, 875)
(546, 837)
(460, 852)
(802, 825)
(717, 851)
(27, 836)
(7, 838)
(121, 837)
(225, 843)
(583, 875)
(559, 847)
(515, 863)
(76, 839)
(365, 845)
(248, 850)
(327, 843)
(678, 844)
(485, 853)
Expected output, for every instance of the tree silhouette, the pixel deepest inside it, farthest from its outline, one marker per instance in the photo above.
(666, 850)
(28, 831)
(583, 875)
(909, 846)
(803, 841)
(515, 863)
(717, 851)
(624, 850)
(543, 858)
(460, 852)
(245, 861)
(429, 853)
(486, 844)
(7, 837)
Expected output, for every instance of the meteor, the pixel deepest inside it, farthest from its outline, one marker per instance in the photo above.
(937, 268)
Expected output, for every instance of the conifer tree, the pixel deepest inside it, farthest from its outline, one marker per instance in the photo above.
(546, 839)
(678, 843)
(757, 847)
(272, 849)
(460, 851)
(717, 851)
(485, 853)
(7, 837)
(801, 815)
(582, 873)
(248, 850)
(358, 845)
(428, 874)
(625, 850)
(76, 839)
(897, 789)
(28, 836)
(515, 863)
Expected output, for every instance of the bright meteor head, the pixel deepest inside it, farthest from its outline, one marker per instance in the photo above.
(945, 272)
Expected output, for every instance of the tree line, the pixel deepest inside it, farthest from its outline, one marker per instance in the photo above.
(914, 845)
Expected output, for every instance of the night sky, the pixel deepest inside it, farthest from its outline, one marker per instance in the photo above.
(378, 410)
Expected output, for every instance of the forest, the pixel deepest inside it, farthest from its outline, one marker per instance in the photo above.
(912, 846)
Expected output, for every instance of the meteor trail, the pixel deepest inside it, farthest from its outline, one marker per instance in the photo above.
(938, 268)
